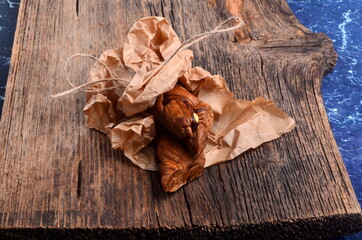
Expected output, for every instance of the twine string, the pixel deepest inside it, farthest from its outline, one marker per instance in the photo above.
(189, 42)
(124, 83)
(83, 55)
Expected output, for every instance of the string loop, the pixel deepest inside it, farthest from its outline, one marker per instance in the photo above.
(124, 83)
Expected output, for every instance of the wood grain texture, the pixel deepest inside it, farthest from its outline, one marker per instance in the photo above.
(60, 179)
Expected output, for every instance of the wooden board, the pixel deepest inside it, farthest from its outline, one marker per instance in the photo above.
(58, 178)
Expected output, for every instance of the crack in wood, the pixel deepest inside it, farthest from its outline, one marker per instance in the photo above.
(79, 179)
(154, 202)
(262, 74)
(163, 8)
(188, 206)
(77, 7)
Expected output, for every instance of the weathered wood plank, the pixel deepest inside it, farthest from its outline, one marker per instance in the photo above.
(57, 174)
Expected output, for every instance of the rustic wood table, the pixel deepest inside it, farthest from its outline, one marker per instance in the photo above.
(59, 179)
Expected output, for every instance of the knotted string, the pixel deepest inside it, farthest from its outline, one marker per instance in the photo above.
(124, 83)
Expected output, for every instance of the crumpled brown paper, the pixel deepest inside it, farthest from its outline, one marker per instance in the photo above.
(122, 114)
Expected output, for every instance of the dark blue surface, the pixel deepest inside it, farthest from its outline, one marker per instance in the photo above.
(342, 89)
(8, 15)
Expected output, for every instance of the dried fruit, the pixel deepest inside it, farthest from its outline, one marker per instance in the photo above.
(184, 116)
(177, 164)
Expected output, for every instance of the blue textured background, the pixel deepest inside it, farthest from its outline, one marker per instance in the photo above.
(8, 15)
(341, 90)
